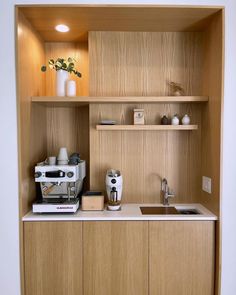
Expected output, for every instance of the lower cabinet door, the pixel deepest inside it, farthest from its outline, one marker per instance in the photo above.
(115, 258)
(53, 258)
(181, 257)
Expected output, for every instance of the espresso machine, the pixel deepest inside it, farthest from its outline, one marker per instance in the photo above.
(114, 183)
(60, 187)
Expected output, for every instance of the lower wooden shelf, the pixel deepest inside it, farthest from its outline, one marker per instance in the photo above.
(145, 127)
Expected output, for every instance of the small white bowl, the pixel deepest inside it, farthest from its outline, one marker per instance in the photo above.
(113, 208)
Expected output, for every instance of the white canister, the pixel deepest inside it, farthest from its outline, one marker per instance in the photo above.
(175, 120)
(185, 120)
(61, 78)
(71, 88)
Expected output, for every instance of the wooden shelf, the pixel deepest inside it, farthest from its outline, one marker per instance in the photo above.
(145, 127)
(77, 100)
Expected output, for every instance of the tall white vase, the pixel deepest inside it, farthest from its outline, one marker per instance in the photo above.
(61, 78)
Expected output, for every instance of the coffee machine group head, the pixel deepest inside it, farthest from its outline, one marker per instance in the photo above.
(114, 182)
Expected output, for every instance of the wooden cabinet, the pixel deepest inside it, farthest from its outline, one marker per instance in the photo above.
(115, 258)
(53, 258)
(181, 257)
(119, 258)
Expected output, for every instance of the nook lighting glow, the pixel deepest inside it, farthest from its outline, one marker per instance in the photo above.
(62, 28)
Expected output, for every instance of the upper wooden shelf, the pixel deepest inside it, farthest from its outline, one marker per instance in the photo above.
(145, 127)
(77, 100)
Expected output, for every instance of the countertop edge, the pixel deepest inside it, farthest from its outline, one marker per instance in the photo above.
(130, 212)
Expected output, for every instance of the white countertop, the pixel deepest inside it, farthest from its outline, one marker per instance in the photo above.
(127, 212)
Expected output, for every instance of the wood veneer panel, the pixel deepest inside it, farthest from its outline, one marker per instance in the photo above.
(144, 157)
(115, 258)
(69, 101)
(140, 64)
(212, 125)
(53, 258)
(173, 268)
(31, 118)
(79, 51)
(146, 127)
(83, 18)
(211, 115)
(69, 127)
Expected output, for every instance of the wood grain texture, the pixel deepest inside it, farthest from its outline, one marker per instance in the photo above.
(211, 115)
(146, 127)
(140, 64)
(85, 18)
(55, 100)
(79, 51)
(53, 258)
(69, 127)
(31, 118)
(212, 118)
(181, 258)
(146, 157)
(115, 258)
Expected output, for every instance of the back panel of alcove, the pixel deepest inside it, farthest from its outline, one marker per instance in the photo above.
(123, 63)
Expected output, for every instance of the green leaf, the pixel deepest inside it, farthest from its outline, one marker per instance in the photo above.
(71, 65)
(58, 64)
(64, 65)
(51, 62)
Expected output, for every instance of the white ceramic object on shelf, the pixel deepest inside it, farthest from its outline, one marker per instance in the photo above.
(71, 88)
(61, 78)
(138, 116)
(186, 120)
(52, 160)
(175, 120)
(62, 158)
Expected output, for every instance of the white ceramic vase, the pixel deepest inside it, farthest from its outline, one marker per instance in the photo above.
(61, 78)
(185, 120)
(71, 88)
(175, 120)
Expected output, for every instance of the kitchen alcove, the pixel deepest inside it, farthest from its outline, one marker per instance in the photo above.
(126, 55)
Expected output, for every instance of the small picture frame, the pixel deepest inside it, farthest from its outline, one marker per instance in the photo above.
(138, 116)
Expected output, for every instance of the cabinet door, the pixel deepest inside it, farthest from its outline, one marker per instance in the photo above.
(53, 258)
(181, 258)
(115, 258)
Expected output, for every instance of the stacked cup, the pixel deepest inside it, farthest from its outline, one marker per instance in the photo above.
(62, 158)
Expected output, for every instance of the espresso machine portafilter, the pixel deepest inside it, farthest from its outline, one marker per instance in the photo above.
(114, 182)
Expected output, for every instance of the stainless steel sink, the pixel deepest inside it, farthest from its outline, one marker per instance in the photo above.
(158, 210)
(188, 211)
(151, 210)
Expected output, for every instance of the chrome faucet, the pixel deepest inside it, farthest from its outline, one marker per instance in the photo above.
(165, 192)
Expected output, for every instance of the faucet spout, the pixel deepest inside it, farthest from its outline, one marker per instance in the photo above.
(165, 192)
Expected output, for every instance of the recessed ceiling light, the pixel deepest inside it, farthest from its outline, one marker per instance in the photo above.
(62, 28)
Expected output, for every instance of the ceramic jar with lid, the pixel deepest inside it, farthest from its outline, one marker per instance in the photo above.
(164, 120)
(175, 120)
(185, 120)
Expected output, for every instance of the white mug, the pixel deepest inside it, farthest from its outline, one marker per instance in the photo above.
(52, 160)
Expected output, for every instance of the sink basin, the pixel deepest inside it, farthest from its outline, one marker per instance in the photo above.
(168, 211)
(188, 211)
(158, 210)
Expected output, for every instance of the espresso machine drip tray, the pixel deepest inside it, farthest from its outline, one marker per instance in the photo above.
(56, 205)
(57, 201)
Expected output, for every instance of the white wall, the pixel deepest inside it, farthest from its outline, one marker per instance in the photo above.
(9, 234)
